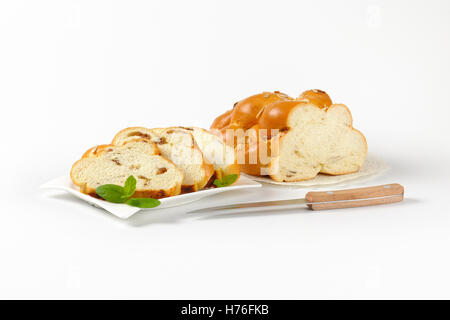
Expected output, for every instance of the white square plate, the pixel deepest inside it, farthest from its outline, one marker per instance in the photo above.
(124, 211)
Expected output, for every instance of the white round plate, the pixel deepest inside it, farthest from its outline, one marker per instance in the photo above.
(373, 166)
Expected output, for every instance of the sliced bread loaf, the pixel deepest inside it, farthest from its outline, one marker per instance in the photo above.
(179, 146)
(293, 140)
(156, 176)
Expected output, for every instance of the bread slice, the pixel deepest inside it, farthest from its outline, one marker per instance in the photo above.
(178, 146)
(315, 140)
(156, 176)
(221, 155)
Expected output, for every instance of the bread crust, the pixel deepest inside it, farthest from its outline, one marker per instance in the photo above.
(222, 121)
(315, 96)
(94, 151)
(245, 113)
(115, 140)
(98, 150)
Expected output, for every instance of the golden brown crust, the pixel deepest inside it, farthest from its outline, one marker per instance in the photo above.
(252, 162)
(253, 169)
(245, 113)
(98, 150)
(94, 151)
(275, 116)
(318, 97)
(82, 187)
(222, 121)
(137, 134)
(155, 194)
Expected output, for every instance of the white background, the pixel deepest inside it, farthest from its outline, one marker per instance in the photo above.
(72, 73)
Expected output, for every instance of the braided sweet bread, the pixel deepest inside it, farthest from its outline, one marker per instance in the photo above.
(292, 139)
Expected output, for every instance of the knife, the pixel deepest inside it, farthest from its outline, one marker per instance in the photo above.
(323, 200)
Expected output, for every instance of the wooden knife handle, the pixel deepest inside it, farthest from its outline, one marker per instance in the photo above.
(350, 198)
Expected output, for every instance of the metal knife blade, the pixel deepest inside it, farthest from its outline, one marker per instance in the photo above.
(255, 206)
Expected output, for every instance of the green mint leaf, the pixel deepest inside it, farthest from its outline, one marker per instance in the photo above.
(143, 202)
(112, 193)
(226, 181)
(129, 187)
(229, 179)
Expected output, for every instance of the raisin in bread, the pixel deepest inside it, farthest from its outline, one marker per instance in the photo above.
(178, 146)
(156, 176)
